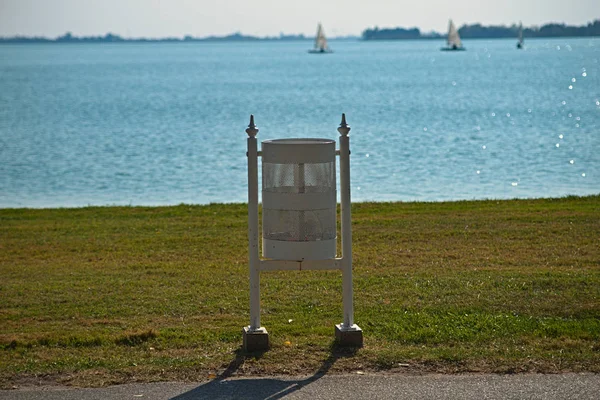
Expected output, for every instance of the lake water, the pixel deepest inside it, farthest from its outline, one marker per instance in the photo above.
(159, 124)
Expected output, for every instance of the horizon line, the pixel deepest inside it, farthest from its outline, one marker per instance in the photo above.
(298, 36)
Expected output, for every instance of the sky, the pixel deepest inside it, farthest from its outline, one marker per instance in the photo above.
(201, 18)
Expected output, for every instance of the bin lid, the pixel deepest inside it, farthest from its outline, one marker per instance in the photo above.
(298, 151)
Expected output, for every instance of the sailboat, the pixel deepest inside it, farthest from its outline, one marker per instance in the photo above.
(321, 46)
(520, 43)
(453, 42)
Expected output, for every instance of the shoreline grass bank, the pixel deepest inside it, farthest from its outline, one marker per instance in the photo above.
(102, 295)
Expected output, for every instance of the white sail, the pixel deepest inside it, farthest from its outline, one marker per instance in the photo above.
(520, 33)
(453, 37)
(320, 40)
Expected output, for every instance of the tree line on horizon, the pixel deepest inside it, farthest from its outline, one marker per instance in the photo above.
(478, 31)
(112, 38)
(474, 31)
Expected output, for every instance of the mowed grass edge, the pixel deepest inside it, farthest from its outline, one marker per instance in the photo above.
(101, 295)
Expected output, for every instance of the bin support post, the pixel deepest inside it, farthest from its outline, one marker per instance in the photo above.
(346, 333)
(255, 337)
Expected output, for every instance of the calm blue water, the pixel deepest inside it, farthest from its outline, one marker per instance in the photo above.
(148, 124)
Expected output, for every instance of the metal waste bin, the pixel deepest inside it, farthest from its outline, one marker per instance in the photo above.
(299, 199)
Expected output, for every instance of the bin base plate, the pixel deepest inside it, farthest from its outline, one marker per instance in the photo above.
(255, 340)
(352, 336)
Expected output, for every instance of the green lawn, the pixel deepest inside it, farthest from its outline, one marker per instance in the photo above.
(101, 295)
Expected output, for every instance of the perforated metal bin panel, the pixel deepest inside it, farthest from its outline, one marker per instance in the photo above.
(299, 199)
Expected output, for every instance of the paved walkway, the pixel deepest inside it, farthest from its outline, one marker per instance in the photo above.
(367, 386)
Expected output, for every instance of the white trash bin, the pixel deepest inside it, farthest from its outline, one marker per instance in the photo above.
(299, 199)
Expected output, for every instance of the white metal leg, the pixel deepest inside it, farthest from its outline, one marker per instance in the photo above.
(347, 292)
(253, 233)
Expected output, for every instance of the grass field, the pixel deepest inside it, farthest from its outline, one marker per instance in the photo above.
(102, 295)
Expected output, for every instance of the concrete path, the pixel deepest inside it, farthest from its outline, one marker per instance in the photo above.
(367, 386)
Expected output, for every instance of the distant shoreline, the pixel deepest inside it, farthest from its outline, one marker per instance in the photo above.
(111, 38)
(475, 31)
(4, 41)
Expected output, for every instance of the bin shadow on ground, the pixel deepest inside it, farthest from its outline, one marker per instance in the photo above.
(259, 388)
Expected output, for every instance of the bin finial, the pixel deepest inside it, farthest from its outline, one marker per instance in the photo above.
(252, 129)
(344, 128)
